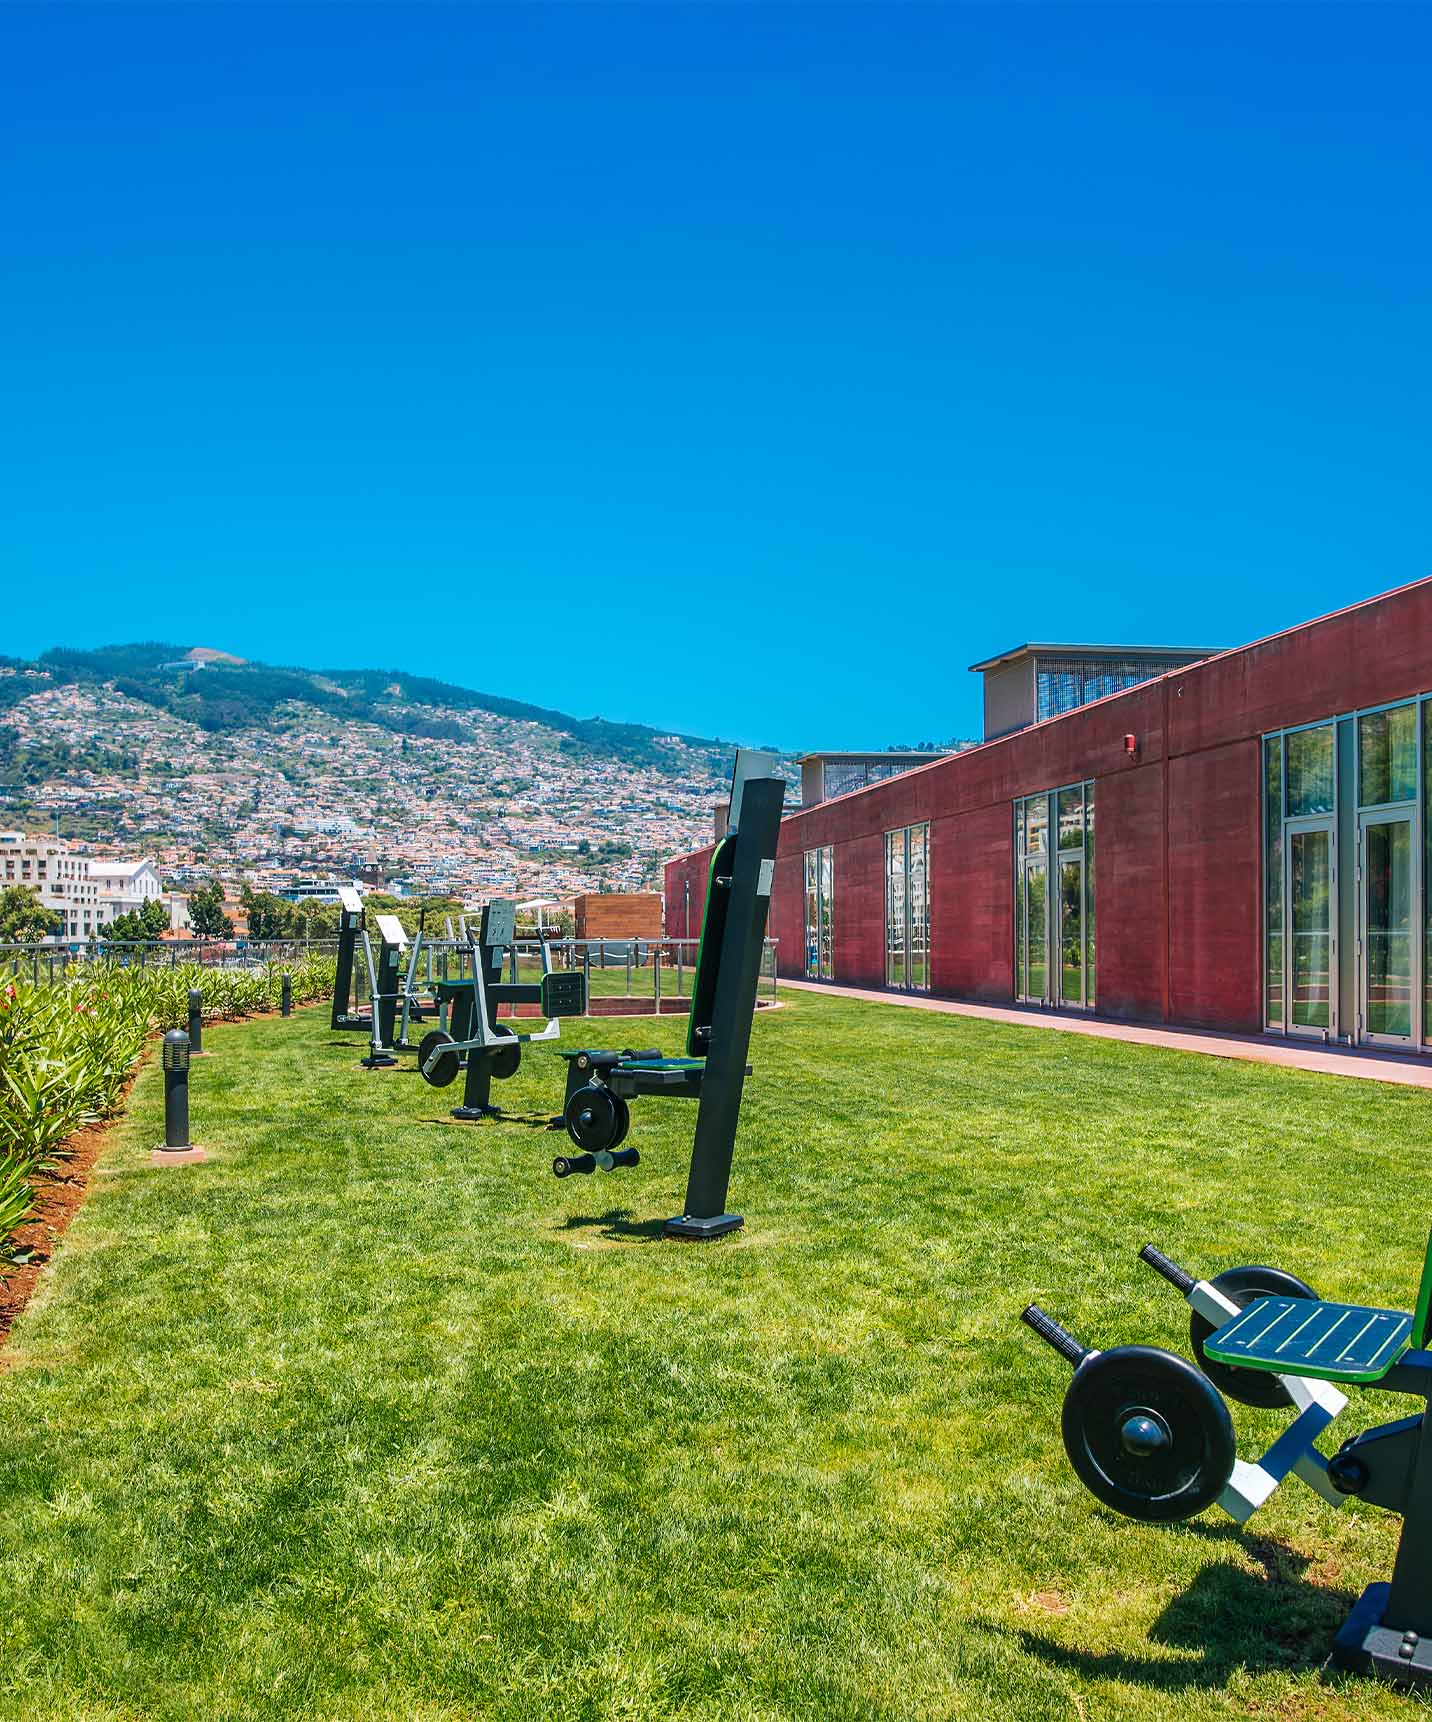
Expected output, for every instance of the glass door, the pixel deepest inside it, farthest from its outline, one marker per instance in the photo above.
(1035, 942)
(1310, 942)
(1071, 930)
(907, 908)
(895, 909)
(1387, 893)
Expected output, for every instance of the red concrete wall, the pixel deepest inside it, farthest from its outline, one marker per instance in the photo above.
(1177, 823)
(1215, 902)
(972, 899)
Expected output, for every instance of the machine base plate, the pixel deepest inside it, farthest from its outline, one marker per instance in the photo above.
(1365, 1646)
(688, 1226)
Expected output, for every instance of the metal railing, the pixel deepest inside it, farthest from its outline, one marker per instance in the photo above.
(614, 968)
(637, 969)
(52, 962)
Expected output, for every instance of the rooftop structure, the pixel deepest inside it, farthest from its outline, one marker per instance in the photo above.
(825, 775)
(1029, 683)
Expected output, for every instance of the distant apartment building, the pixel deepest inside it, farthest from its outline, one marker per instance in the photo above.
(61, 880)
(85, 894)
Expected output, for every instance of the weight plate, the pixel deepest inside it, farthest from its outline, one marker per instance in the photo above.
(505, 1061)
(446, 1065)
(1245, 1286)
(1147, 1434)
(591, 1119)
(623, 1120)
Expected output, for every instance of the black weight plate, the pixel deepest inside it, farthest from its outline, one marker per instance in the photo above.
(623, 1120)
(445, 1070)
(505, 1061)
(591, 1118)
(1148, 1434)
(1245, 1286)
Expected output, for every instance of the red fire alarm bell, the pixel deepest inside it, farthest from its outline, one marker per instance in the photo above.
(1131, 745)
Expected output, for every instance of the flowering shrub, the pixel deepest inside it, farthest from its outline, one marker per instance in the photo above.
(67, 1048)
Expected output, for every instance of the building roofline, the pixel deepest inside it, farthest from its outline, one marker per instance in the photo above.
(1033, 648)
(920, 753)
(1108, 699)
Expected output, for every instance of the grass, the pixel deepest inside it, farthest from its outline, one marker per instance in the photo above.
(368, 1416)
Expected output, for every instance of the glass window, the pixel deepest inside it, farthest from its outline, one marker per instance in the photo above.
(1387, 756)
(1310, 771)
(1064, 683)
(907, 908)
(1054, 911)
(895, 908)
(1273, 881)
(827, 913)
(1090, 966)
(1038, 934)
(819, 919)
(919, 882)
(1071, 818)
(1388, 891)
(1036, 823)
(1021, 978)
(1071, 932)
(1310, 906)
(1426, 881)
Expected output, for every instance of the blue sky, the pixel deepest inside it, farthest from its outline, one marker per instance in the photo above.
(781, 361)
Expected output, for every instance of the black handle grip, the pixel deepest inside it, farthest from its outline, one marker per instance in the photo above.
(568, 1165)
(651, 1052)
(1179, 1278)
(1053, 1334)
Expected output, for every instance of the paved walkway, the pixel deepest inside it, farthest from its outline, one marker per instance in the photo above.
(1262, 1049)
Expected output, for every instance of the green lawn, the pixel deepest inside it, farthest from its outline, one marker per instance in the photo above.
(369, 1416)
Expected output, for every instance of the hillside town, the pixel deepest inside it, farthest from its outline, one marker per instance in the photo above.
(315, 800)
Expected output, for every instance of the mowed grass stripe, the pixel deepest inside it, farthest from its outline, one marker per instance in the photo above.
(370, 1416)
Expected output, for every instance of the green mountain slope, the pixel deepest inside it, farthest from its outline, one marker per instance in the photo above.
(222, 694)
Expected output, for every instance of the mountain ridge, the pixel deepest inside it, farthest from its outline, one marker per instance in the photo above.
(222, 693)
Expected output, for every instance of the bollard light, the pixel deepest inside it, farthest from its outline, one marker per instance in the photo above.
(285, 994)
(196, 1020)
(176, 1090)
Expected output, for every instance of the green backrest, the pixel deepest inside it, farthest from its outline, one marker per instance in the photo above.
(708, 953)
(1423, 1312)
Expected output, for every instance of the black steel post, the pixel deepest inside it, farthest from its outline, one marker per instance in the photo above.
(285, 994)
(348, 925)
(734, 1006)
(196, 1020)
(477, 1082)
(176, 1089)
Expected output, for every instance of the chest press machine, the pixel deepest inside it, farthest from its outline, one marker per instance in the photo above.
(475, 1041)
(1149, 1434)
(601, 1085)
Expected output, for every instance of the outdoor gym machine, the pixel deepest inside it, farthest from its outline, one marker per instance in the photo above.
(1150, 1435)
(478, 1042)
(350, 925)
(600, 1085)
(383, 974)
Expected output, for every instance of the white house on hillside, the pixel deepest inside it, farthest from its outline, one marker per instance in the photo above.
(124, 886)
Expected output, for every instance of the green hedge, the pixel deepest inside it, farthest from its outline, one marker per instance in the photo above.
(66, 1049)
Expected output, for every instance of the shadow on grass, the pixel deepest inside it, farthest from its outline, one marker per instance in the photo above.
(533, 1121)
(615, 1223)
(1241, 1622)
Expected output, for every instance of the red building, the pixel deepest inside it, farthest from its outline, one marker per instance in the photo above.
(1241, 842)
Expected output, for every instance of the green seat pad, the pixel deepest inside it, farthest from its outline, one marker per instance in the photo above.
(1299, 1336)
(662, 1064)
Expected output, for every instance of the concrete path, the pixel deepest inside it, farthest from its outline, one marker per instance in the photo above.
(1413, 1072)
